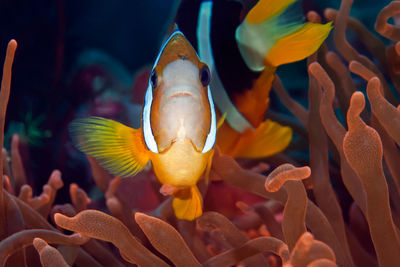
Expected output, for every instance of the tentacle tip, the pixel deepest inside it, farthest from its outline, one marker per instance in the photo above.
(352, 64)
(306, 237)
(73, 187)
(373, 88)
(357, 100)
(15, 139)
(313, 66)
(329, 13)
(270, 186)
(315, 69)
(12, 44)
(374, 81)
(313, 17)
(39, 244)
(60, 219)
(306, 172)
(56, 180)
(140, 217)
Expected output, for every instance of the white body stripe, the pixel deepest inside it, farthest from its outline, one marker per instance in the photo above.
(235, 119)
(147, 132)
(210, 141)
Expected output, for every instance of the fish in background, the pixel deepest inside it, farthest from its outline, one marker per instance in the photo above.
(177, 134)
(243, 42)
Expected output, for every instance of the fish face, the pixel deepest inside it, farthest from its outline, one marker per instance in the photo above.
(178, 103)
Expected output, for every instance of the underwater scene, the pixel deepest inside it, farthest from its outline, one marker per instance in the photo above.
(200, 133)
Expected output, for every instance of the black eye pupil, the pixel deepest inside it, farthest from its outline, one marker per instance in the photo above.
(205, 75)
(153, 79)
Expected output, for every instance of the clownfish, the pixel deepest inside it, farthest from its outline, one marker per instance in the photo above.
(177, 134)
(243, 42)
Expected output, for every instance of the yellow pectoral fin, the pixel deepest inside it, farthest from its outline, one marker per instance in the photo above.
(118, 148)
(298, 45)
(268, 139)
(188, 204)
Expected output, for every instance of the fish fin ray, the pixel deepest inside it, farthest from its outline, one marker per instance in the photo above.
(118, 148)
(299, 44)
(265, 9)
(188, 205)
(268, 139)
(280, 27)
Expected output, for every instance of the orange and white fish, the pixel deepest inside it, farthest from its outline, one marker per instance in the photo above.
(243, 42)
(177, 134)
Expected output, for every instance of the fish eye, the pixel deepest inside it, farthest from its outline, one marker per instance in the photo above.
(205, 75)
(153, 79)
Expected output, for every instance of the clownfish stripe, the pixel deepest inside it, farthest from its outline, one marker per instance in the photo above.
(147, 132)
(210, 141)
(235, 119)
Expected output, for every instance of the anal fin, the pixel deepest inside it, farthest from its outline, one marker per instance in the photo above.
(188, 204)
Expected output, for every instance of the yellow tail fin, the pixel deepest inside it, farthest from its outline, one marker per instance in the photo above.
(268, 139)
(119, 149)
(266, 9)
(299, 44)
(188, 204)
(274, 33)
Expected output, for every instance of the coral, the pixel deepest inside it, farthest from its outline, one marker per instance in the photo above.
(341, 208)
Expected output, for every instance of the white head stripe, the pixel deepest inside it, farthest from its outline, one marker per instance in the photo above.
(235, 119)
(210, 141)
(147, 132)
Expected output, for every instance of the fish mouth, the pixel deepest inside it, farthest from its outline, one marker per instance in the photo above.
(181, 94)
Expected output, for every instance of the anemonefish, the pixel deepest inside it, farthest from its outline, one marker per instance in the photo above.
(177, 134)
(243, 42)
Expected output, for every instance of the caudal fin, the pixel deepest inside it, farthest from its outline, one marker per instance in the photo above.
(274, 33)
(118, 148)
(188, 204)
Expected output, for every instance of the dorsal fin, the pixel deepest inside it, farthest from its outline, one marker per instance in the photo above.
(174, 27)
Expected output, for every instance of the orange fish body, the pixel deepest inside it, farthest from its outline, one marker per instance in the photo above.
(178, 129)
(243, 55)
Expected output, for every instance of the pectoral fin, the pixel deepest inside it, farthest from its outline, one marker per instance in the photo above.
(268, 139)
(119, 149)
(188, 204)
